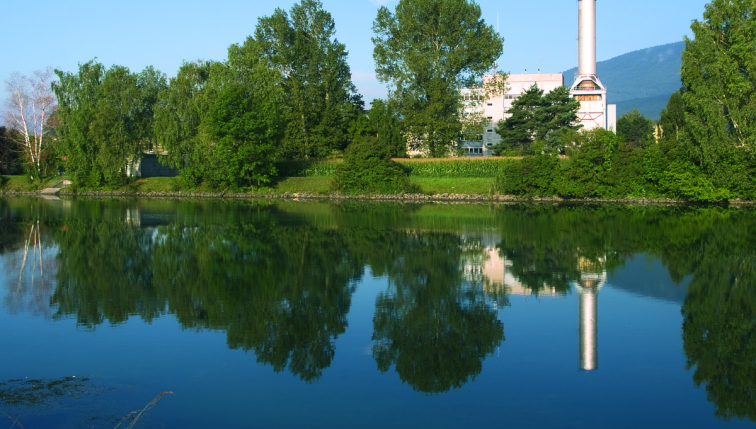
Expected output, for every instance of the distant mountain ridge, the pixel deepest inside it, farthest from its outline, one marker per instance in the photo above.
(643, 79)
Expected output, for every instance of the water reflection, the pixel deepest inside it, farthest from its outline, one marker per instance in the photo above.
(278, 279)
(592, 279)
(436, 323)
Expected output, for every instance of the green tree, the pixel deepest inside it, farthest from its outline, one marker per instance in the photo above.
(78, 95)
(10, 162)
(382, 121)
(557, 118)
(117, 126)
(672, 122)
(635, 128)
(368, 168)
(105, 120)
(535, 117)
(321, 99)
(518, 130)
(428, 50)
(246, 124)
(180, 112)
(719, 80)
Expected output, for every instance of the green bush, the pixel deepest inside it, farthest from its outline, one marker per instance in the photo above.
(683, 180)
(530, 176)
(368, 169)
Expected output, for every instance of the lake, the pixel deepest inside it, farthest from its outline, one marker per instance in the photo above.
(292, 314)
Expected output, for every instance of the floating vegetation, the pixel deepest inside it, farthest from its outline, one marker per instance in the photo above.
(36, 391)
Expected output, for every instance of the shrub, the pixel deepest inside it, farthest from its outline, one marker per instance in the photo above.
(368, 169)
(530, 176)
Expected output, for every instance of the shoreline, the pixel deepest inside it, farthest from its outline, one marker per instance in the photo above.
(461, 198)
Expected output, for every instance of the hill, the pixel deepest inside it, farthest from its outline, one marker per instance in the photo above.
(642, 79)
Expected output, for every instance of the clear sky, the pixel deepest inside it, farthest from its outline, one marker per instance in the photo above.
(539, 34)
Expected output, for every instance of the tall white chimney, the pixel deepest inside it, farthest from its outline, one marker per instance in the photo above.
(587, 37)
(587, 88)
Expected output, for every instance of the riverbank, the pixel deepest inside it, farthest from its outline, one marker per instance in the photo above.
(318, 188)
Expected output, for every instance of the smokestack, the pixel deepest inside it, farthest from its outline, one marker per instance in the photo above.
(587, 37)
(588, 329)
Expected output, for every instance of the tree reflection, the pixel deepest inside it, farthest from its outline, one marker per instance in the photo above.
(283, 293)
(433, 325)
(719, 328)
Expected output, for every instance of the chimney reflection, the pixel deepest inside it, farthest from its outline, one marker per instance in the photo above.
(593, 277)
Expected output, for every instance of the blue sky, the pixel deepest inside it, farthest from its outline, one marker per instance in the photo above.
(539, 34)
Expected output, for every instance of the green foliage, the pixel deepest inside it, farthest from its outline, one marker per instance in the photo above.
(672, 122)
(368, 169)
(582, 174)
(10, 159)
(320, 99)
(428, 50)
(531, 176)
(719, 81)
(635, 128)
(247, 126)
(105, 120)
(383, 122)
(538, 123)
(180, 121)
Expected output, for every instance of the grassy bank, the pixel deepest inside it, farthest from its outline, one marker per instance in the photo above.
(310, 185)
(23, 184)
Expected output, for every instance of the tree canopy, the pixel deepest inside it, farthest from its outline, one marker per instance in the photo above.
(321, 100)
(719, 80)
(105, 120)
(428, 50)
(535, 117)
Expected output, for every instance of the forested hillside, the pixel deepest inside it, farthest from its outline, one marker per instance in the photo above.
(642, 79)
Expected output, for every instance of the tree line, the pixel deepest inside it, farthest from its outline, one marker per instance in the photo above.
(285, 93)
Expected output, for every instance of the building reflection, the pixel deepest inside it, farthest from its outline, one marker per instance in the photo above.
(496, 274)
(592, 279)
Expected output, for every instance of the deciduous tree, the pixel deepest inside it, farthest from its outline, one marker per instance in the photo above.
(321, 99)
(428, 50)
(719, 80)
(635, 128)
(30, 103)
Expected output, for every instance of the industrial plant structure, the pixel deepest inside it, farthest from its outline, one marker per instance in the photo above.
(594, 111)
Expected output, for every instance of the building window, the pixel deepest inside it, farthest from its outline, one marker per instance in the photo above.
(591, 97)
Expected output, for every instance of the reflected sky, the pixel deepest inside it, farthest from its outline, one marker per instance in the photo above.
(328, 315)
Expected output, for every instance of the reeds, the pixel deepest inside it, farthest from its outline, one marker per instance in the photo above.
(139, 413)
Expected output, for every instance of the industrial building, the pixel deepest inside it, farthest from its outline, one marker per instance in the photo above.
(587, 88)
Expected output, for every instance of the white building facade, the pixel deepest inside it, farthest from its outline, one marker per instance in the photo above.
(495, 109)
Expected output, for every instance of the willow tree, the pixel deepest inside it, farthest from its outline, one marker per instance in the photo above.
(428, 50)
(719, 80)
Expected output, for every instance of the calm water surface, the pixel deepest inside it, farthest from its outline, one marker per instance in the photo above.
(339, 315)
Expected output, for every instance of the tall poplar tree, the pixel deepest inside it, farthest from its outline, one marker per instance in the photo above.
(321, 99)
(428, 50)
(719, 79)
